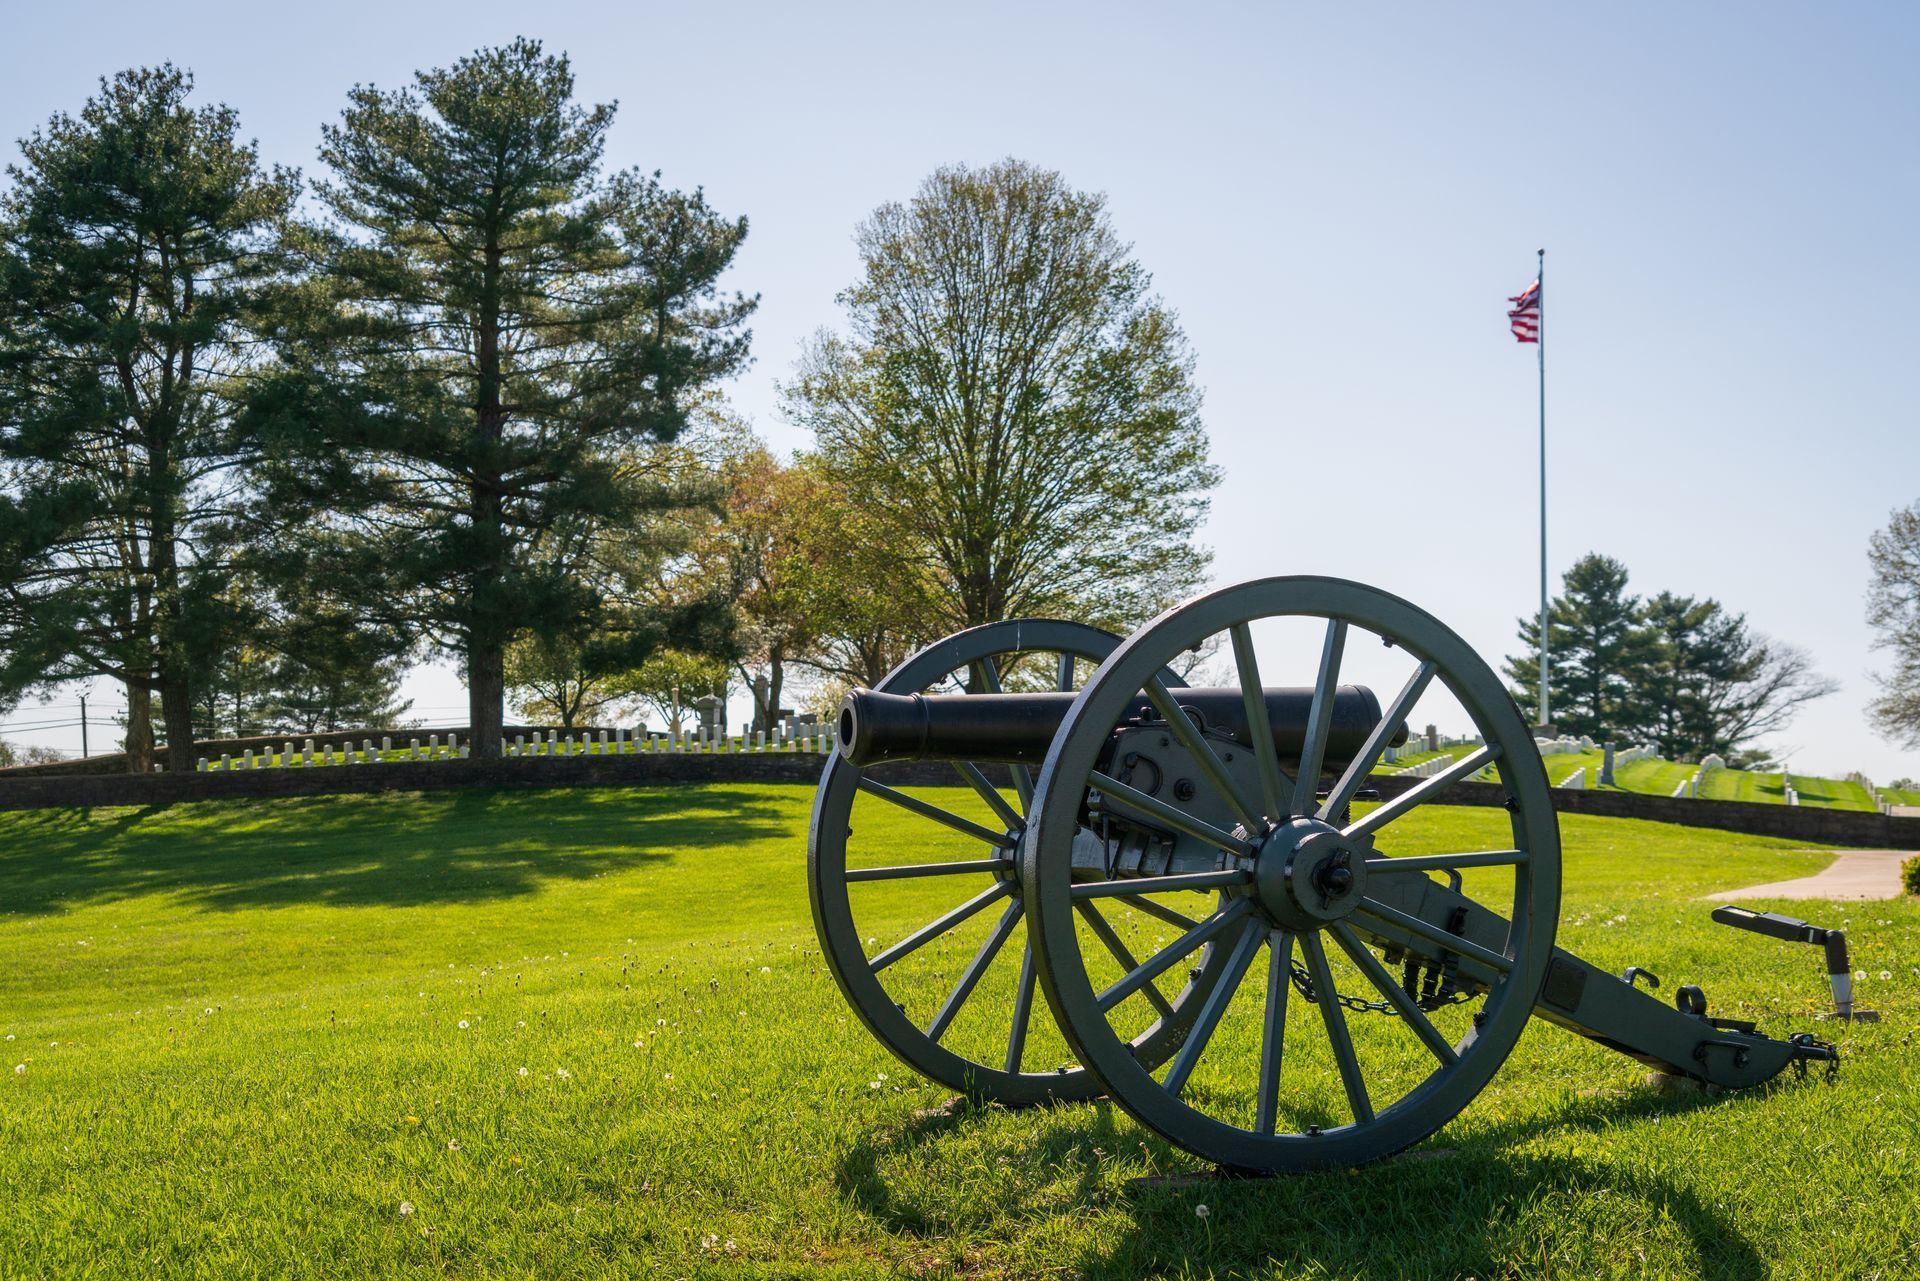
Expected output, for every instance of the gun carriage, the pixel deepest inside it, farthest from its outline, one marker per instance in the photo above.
(1179, 871)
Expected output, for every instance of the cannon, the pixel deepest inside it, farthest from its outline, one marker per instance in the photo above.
(1128, 846)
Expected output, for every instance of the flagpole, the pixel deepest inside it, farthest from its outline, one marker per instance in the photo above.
(1546, 711)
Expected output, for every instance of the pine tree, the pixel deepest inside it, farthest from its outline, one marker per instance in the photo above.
(1599, 651)
(495, 326)
(134, 247)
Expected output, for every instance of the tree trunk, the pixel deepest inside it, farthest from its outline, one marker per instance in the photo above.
(176, 708)
(486, 696)
(139, 742)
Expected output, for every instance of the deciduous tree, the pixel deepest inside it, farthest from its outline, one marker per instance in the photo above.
(1012, 405)
(1893, 611)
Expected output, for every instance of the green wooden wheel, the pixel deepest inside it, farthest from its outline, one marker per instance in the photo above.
(1291, 871)
(938, 1028)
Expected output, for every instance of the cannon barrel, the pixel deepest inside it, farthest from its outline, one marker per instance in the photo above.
(1017, 729)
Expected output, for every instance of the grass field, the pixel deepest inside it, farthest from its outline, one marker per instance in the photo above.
(558, 1034)
(1653, 776)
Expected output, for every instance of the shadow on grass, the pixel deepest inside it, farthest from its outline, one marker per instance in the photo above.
(1476, 1209)
(389, 850)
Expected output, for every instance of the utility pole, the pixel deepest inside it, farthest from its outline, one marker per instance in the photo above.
(83, 727)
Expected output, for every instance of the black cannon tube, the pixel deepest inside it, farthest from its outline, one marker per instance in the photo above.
(1017, 729)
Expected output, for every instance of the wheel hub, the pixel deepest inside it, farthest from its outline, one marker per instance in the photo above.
(1306, 875)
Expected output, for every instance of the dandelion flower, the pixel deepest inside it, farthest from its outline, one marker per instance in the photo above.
(563, 1074)
(19, 1068)
(523, 1071)
(659, 1022)
(463, 1025)
(406, 1208)
(1861, 975)
(1885, 975)
(1202, 1210)
(412, 1119)
(710, 1242)
(453, 1145)
(209, 1009)
(765, 969)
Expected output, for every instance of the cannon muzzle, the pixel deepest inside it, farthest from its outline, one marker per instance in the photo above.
(1017, 729)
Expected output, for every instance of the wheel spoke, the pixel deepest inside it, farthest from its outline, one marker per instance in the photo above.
(1103, 931)
(1342, 794)
(1221, 880)
(1447, 862)
(1022, 1012)
(970, 976)
(911, 870)
(1180, 920)
(1396, 995)
(1423, 791)
(989, 675)
(1112, 789)
(1342, 1041)
(1326, 685)
(990, 794)
(1273, 1035)
(1434, 934)
(1275, 788)
(927, 933)
(1202, 753)
(938, 815)
(1171, 954)
(1063, 676)
(1212, 1010)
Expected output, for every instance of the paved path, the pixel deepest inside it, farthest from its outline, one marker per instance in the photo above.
(1853, 875)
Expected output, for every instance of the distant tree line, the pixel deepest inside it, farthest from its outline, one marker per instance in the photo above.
(1683, 673)
(264, 442)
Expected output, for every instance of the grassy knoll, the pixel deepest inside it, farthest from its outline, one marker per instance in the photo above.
(1408, 759)
(1742, 785)
(1652, 776)
(1560, 765)
(558, 1034)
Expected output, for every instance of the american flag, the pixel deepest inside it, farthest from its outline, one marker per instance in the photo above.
(1525, 315)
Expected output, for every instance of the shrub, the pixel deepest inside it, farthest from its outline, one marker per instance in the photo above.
(1910, 874)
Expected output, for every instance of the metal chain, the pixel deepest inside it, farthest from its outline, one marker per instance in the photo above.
(1303, 984)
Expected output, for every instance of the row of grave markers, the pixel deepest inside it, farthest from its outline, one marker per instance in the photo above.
(803, 738)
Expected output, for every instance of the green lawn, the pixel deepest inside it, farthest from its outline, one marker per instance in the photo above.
(1652, 776)
(1900, 795)
(588, 1034)
(1562, 764)
(1408, 759)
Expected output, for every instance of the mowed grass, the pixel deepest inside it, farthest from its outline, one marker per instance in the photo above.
(1653, 776)
(239, 1029)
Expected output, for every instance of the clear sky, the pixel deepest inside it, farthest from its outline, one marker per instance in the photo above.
(1337, 200)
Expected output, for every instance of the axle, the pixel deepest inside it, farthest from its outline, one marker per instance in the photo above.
(1019, 728)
